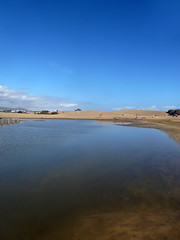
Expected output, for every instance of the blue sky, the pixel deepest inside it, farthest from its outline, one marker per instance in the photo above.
(92, 54)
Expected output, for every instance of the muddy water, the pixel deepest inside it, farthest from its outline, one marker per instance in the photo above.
(72, 179)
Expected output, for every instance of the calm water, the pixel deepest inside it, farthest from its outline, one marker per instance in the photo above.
(53, 170)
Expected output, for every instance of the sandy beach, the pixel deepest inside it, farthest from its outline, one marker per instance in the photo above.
(137, 118)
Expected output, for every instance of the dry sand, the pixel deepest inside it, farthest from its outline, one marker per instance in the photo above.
(139, 118)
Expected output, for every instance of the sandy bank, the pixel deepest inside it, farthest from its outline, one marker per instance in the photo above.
(130, 114)
(125, 225)
(139, 118)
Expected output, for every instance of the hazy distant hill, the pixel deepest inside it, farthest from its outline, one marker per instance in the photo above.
(10, 108)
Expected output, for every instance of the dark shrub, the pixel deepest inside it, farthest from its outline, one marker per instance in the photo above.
(177, 111)
(173, 112)
(44, 112)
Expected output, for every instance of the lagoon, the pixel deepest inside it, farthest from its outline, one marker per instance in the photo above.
(75, 179)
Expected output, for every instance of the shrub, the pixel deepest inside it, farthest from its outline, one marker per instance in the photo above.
(44, 112)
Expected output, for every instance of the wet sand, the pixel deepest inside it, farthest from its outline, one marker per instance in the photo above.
(127, 224)
(168, 125)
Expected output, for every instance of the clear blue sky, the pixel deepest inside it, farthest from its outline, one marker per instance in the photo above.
(99, 54)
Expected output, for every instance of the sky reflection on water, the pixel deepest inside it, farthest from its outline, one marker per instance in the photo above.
(50, 170)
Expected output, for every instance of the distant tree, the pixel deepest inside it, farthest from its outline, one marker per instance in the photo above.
(78, 110)
(173, 112)
(7, 111)
(178, 111)
(44, 112)
(20, 111)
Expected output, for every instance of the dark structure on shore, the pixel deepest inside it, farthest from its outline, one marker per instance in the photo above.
(174, 112)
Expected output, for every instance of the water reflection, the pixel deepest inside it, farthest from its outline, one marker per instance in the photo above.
(56, 170)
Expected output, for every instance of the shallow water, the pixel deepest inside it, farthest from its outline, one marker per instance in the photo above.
(54, 171)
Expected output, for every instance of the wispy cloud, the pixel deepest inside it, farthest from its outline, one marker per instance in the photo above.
(170, 107)
(124, 108)
(11, 98)
(153, 107)
(60, 67)
(68, 105)
(24, 89)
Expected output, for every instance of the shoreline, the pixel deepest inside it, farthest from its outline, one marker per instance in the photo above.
(136, 118)
(172, 129)
(7, 121)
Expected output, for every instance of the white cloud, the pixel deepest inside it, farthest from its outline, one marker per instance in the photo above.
(153, 108)
(169, 107)
(68, 104)
(129, 107)
(11, 98)
(124, 108)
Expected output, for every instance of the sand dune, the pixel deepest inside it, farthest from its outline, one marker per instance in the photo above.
(129, 114)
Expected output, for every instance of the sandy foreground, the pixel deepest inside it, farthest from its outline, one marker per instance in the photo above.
(138, 223)
(138, 118)
(124, 225)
